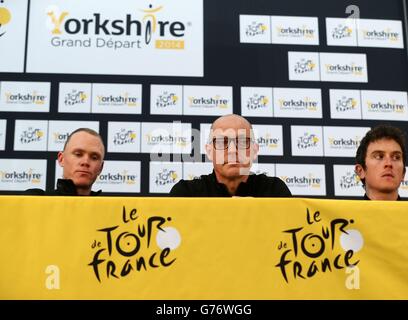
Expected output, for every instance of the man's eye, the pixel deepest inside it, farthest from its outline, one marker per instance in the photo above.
(397, 157)
(378, 156)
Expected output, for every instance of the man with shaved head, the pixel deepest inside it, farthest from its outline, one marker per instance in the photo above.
(232, 149)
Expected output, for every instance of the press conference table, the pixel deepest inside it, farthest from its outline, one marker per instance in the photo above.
(202, 248)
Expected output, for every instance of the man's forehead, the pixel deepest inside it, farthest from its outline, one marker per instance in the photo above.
(230, 132)
(385, 145)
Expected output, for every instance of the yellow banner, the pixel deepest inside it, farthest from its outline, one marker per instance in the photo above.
(184, 248)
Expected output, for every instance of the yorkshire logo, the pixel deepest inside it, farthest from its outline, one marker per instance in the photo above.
(216, 102)
(31, 135)
(268, 142)
(137, 244)
(120, 100)
(166, 177)
(388, 107)
(344, 69)
(382, 35)
(304, 66)
(5, 17)
(167, 99)
(317, 247)
(307, 141)
(349, 180)
(20, 177)
(29, 98)
(302, 182)
(255, 28)
(296, 32)
(344, 143)
(341, 32)
(298, 105)
(75, 97)
(61, 23)
(60, 138)
(257, 102)
(118, 178)
(165, 140)
(346, 104)
(124, 137)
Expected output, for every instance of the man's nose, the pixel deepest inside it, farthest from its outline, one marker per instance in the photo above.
(85, 160)
(388, 161)
(232, 146)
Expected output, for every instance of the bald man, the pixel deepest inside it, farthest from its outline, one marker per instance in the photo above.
(232, 149)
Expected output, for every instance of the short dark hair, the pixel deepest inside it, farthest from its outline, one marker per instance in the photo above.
(87, 130)
(383, 131)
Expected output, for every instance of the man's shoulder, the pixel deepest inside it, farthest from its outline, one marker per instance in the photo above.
(34, 192)
(271, 186)
(189, 188)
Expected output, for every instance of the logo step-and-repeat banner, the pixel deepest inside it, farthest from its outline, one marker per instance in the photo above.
(152, 77)
(144, 248)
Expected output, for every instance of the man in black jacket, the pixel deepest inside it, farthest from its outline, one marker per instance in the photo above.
(232, 149)
(82, 162)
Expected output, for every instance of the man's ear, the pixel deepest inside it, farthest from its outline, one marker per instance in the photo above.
(209, 150)
(100, 170)
(359, 170)
(60, 159)
(255, 150)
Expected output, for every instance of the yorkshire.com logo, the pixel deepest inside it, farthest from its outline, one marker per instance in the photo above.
(124, 99)
(382, 35)
(309, 181)
(98, 30)
(344, 69)
(123, 177)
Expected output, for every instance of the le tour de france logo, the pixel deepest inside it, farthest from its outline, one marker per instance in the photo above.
(5, 18)
(318, 246)
(137, 244)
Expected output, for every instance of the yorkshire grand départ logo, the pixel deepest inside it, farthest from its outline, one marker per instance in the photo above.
(166, 177)
(381, 35)
(5, 18)
(341, 143)
(60, 137)
(166, 99)
(31, 135)
(344, 69)
(123, 177)
(168, 139)
(75, 97)
(141, 29)
(268, 141)
(136, 244)
(318, 247)
(341, 32)
(387, 107)
(28, 98)
(26, 176)
(298, 32)
(346, 104)
(306, 103)
(124, 136)
(124, 99)
(304, 66)
(307, 140)
(210, 103)
(255, 28)
(257, 102)
(309, 181)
